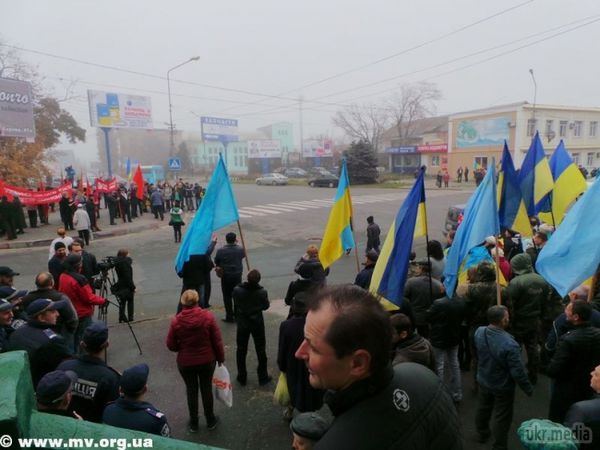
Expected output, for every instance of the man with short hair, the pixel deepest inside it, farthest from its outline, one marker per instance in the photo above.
(499, 369)
(62, 237)
(586, 412)
(346, 345)
(539, 240)
(363, 279)
(6, 318)
(408, 345)
(229, 263)
(89, 263)
(55, 264)
(46, 349)
(130, 411)
(250, 299)
(96, 384)
(373, 233)
(67, 320)
(54, 393)
(577, 354)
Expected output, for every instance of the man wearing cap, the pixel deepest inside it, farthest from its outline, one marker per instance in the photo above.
(75, 286)
(97, 384)
(229, 258)
(363, 279)
(54, 393)
(421, 290)
(130, 411)
(373, 233)
(55, 264)
(82, 223)
(46, 348)
(66, 324)
(7, 276)
(529, 294)
(307, 429)
(6, 318)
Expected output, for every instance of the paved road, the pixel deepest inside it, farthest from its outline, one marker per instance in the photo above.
(276, 235)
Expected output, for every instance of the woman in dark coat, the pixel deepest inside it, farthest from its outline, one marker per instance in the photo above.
(195, 336)
(291, 334)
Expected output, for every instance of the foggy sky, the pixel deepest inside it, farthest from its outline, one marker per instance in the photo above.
(274, 47)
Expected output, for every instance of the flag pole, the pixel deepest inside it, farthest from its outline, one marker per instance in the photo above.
(243, 244)
(497, 259)
(355, 246)
(427, 244)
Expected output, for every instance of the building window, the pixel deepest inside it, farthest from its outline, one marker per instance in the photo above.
(235, 160)
(480, 162)
(549, 126)
(576, 158)
(531, 127)
(577, 128)
(563, 128)
(590, 159)
(245, 161)
(593, 129)
(435, 161)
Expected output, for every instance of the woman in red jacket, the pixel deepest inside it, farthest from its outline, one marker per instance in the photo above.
(195, 336)
(75, 286)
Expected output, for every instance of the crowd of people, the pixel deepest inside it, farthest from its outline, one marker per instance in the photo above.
(389, 378)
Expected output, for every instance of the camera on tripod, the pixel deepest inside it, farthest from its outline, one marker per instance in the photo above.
(107, 263)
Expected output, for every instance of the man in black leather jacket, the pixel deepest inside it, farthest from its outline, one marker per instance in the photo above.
(124, 288)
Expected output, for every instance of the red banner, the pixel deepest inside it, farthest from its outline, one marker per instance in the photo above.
(29, 197)
(103, 186)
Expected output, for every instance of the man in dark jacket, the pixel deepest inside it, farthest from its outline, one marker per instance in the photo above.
(346, 345)
(499, 368)
(528, 292)
(46, 349)
(445, 317)
(577, 354)
(124, 288)
(97, 384)
(421, 291)
(301, 288)
(55, 264)
(131, 411)
(67, 321)
(194, 274)
(373, 232)
(539, 240)
(586, 413)
(408, 345)
(66, 206)
(250, 299)
(89, 263)
(363, 279)
(6, 318)
(229, 261)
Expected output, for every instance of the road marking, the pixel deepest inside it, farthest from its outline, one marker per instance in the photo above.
(261, 210)
(277, 207)
(253, 213)
(304, 204)
(286, 207)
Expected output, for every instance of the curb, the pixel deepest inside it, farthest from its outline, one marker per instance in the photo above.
(98, 235)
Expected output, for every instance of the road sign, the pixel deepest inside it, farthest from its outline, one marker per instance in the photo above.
(174, 164)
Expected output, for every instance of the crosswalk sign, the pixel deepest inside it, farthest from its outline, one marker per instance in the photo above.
(174, 164)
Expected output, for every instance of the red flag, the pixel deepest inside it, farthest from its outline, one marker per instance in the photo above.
(4, 192)
(138, 179)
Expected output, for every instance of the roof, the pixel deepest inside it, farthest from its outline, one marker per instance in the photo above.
(437, 124)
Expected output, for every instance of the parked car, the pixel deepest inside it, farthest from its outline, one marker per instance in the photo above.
(316, 171)
(272, 179)
(295, 172)
(329, 180)
(454, 217)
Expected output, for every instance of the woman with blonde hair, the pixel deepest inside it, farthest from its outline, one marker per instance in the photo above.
(195, 336)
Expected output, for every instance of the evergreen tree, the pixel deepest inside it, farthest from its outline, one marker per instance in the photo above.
(362, 163)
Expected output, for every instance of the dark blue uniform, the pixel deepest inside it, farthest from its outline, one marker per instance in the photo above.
(96, 386)
(136, 415)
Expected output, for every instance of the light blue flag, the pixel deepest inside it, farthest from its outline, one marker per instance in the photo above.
(572, 255)
(217, 210)
(480, 220)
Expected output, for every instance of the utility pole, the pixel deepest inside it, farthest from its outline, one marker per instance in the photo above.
(300, 100)
(534, 100)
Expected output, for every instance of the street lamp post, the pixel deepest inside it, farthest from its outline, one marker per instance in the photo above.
(171, 128)
(534, 100)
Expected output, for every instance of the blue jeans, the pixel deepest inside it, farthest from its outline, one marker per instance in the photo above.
(448, 368)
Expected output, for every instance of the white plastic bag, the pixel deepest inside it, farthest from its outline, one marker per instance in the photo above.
(221, 385)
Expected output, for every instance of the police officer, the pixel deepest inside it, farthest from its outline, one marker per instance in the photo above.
(96, 384)
(54, 393)
(6, 318)
(130, 411)
(46, 349)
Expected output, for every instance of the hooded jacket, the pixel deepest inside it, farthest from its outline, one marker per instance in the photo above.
(195, 336)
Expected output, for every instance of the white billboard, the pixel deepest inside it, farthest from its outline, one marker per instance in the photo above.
(313, 148)
(111, 110)
(264, 149)
(218, 129)
(16, 109)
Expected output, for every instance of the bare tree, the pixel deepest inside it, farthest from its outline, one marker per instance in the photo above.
(365, 123)
(414, 102)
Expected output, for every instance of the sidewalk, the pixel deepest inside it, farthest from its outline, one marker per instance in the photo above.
(43, 235)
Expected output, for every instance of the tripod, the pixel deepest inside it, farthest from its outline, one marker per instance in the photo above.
(106, 282)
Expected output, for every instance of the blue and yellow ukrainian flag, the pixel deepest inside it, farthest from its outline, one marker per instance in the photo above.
(568, 184)
(511, 208)
(337, 237)
(391, 270)
(535, 177)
